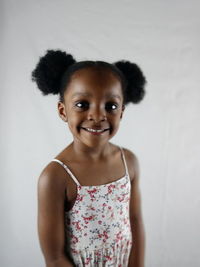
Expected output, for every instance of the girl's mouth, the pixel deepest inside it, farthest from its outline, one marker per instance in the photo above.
(94, 131)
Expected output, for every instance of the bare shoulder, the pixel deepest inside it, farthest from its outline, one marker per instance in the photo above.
(49, 174)
(132, 163)
(51, 192)
(53, 179)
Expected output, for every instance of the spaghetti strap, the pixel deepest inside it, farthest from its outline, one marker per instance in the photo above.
(124, 160)
(68, 170)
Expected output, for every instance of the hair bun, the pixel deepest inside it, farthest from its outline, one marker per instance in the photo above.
(135, 79)
(50, 69)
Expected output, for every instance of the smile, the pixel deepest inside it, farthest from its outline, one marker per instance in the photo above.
(94, 131)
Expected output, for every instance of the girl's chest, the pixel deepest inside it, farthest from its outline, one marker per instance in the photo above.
(92, 175)
(97, 174)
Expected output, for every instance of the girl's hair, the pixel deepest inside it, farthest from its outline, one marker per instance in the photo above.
(54, 70)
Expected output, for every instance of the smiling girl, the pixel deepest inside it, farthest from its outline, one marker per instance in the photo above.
(89, 203)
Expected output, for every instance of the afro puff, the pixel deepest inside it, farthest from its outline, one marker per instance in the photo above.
(134, 91)
(53, 71)
(50, 69)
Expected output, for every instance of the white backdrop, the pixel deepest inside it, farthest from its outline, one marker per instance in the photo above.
(163, 130)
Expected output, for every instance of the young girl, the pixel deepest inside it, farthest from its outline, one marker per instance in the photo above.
(89, 207)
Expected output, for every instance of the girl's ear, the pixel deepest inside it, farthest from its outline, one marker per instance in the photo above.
(62, 111)
(123, 108)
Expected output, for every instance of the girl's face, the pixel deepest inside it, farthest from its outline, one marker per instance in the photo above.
(94, 100)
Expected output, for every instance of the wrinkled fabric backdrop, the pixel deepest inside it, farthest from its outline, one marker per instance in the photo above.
(163, 38)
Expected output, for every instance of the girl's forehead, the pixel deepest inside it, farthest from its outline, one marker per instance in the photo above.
(95, 81)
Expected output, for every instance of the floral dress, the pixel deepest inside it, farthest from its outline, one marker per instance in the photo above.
(98, 231)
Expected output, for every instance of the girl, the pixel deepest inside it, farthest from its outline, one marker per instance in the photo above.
(89, 208)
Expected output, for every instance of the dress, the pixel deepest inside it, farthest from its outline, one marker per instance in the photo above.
(98, 230)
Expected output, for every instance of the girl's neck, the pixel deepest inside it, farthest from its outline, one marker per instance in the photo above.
(92, 154)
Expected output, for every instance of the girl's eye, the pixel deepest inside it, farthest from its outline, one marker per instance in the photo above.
(84, 104)
(111, 106)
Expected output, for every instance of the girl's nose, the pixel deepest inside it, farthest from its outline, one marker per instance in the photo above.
(97, 114)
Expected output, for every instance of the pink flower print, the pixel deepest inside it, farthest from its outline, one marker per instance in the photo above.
(99, 222)
(110, 187)
(77, 224)
(86, 219)
(105, 234)
(109, 210)
(112, 216)
(90, 207)
(88, 259)
(91, 192)
(125, 221)
(108, 257)
(74, 239)
(99, 235)
(123, 185)
(104, 262)
(74, 251)
(119, 236)
(97, 253)
(79, 197)
(121, 198)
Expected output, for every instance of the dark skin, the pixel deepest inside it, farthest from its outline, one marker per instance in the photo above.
(91, 158)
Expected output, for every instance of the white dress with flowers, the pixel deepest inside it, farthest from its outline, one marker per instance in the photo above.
(98, 231)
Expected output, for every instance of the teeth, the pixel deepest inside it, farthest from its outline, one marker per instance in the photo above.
(92, 130)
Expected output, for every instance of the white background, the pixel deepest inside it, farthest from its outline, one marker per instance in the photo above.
(163, 38)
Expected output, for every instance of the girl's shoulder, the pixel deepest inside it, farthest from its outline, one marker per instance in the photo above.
(50, 173)
(54, 175)
(132, 161)
(129, 154)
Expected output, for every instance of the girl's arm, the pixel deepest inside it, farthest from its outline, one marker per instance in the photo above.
(137, 254)
(51, 219)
